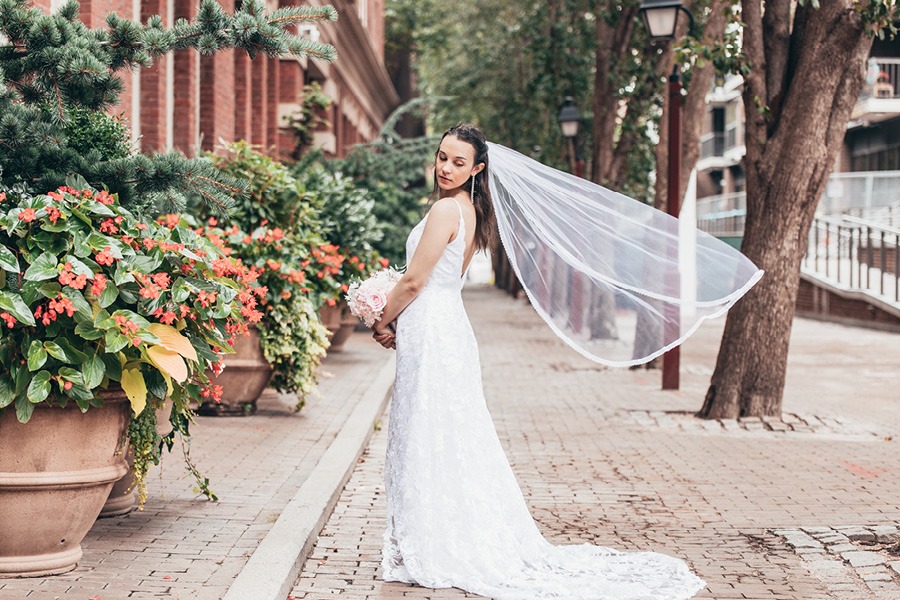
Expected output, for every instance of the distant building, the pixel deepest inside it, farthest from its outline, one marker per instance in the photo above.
(867, 169)
(190, 102)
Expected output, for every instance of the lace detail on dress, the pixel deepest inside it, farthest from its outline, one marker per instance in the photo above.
(456, 514)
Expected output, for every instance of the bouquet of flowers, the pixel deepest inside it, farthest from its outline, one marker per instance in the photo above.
(368, 298)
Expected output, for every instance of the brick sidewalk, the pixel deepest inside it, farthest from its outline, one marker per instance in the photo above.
(761, 511)
(183, 547)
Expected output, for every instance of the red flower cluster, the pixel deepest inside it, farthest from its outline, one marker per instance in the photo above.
(69, 278)
(59, 306)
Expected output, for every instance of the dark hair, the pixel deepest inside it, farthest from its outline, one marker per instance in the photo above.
(484, 208)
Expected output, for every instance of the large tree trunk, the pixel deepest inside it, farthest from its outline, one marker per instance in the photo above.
(808, 80)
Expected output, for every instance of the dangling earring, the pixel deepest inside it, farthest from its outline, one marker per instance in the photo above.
(472, 195)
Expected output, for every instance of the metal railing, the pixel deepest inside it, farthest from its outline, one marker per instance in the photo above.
(712, 144)
(855, 254)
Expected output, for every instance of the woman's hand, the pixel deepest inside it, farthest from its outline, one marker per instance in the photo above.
(387, 339)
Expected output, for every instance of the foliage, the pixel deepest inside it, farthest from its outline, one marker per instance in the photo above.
(275, 196)
(51, 65)
(97, 132)
(346, 216)
(292, 337)
(91, 296)
(310, 119)
(294, 342)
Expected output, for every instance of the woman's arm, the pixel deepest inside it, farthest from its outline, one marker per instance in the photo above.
(442, 224)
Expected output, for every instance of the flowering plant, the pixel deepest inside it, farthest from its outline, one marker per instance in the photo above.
(368, 298)
(293, 339)
(91, 296)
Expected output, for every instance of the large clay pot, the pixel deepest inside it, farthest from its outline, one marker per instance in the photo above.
(330, 316)
(246, 375)
(348, 324)
(56, 471)
(121, 497)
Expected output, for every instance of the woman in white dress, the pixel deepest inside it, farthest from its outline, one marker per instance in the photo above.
(456, 516)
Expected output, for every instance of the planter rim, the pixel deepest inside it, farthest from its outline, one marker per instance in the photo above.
(67, 479)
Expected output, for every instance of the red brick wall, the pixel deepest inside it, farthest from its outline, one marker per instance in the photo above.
(818, 302)
(187, 88)
(223, 96)
(154, 107)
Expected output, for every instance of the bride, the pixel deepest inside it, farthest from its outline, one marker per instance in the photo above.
(456, 516)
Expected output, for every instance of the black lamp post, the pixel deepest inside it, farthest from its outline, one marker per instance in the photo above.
(569, 120)
(661, 19)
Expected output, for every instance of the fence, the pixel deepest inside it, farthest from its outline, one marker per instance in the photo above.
(856, 254)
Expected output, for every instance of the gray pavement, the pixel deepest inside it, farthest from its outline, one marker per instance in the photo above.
(800, 509)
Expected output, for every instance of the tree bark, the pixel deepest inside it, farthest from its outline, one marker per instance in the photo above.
(790, 155)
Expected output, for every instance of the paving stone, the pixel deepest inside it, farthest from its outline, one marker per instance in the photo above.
(863, 558)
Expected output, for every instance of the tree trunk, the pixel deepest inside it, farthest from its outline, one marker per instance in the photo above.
(791, 150)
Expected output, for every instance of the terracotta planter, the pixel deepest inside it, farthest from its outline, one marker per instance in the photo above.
(348, 324)
(246, 375)
(335, 319)
(56, 471)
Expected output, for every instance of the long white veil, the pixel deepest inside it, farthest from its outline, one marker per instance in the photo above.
(601, 268)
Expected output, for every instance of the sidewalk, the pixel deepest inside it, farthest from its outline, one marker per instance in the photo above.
(184, 547)
(801, 510)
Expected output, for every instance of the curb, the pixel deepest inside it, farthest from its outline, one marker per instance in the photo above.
(276, 563)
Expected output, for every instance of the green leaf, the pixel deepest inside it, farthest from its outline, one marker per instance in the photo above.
(113, 366)
(115, 341)
(109, 295)
(70, 374)
(180, 290)
(8, 260)
(146, 264)
(45, 267)
(93, 371)
(79, 268)
(37, 356)
(24, 408)
(7, 391)
(14, 305)
(77, 355)
(49, 289)
(88, 332)
(39, 388)
(57, 352)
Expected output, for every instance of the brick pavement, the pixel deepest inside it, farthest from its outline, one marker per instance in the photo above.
(729, 498)
(182, 547)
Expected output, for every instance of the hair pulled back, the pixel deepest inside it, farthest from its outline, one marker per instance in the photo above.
(485, 224)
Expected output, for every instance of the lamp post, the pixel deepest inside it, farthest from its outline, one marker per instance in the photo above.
(569, 120)
(661, 19)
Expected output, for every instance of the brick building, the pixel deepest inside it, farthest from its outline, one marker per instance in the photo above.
(189, 102)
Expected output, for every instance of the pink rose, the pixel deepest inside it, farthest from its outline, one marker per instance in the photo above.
(375, 299)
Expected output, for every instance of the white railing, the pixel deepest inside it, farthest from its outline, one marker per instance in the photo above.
(855, 254)
(874, 195)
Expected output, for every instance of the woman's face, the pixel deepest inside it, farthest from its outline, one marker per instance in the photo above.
(455, 163)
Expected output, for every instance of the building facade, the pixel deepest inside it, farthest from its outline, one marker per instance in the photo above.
(191, 103)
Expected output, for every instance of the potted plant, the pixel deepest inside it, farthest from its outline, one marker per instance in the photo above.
(104, 316)
(290, 339)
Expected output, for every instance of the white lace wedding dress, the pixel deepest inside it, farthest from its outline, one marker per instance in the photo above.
(456, 514)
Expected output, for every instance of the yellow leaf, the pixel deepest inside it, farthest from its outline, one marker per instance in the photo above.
(135, 388)
(170, 339)
(169, 362)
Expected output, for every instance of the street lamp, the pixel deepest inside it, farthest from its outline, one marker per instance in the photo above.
(661, 19)
(569, 120)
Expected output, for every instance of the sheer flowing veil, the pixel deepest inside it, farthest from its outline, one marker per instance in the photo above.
(602, 269)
